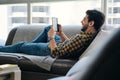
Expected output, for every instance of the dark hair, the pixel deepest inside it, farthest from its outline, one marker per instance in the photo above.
(96, 16)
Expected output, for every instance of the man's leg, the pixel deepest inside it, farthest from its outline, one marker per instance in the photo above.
(11, 48)
(39, 49)
(43, 36)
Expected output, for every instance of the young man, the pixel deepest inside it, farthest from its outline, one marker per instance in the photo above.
(60, 46)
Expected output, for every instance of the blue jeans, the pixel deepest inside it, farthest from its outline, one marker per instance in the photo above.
(39, 46)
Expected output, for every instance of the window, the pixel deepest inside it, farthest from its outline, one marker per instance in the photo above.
(116, 0)
(109, 21)
(113, 13)
(68, 13)
(116, 20)
(110, 1)
(40, 9)
(18, 8)
(40, 20)
(116, 10)
(17, 15)
(19, 20)
(40, 14)
(109, 10)
(11, 16)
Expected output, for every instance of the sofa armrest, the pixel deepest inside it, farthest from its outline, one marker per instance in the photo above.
(11, 36)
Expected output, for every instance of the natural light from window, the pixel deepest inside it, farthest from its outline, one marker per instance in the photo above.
(67, 12)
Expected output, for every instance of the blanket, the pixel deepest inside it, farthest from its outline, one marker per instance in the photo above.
(44, 62)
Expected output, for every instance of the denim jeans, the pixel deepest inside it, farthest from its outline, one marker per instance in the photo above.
(39, 46)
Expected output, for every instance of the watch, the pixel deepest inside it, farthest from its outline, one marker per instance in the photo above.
(51, 37)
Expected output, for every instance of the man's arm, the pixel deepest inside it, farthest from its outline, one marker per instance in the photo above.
(52, 44)
(63, 36)
(51, 35)
(61, 33)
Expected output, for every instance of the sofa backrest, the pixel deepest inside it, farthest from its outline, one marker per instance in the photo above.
(101, 60)
(29, 32)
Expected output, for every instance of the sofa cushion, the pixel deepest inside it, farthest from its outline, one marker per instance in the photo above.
(29, 32)
(26, 33)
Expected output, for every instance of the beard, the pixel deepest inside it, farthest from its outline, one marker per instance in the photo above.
(84, 28)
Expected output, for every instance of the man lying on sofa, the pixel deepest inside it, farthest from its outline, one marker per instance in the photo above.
(57, 44)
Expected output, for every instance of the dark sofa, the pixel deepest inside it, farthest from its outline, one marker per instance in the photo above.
(30, 71)
(27, 33)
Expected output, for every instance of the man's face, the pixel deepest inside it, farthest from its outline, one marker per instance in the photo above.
(85, 23)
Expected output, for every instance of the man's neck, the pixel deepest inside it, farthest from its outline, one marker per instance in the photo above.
(90, 30)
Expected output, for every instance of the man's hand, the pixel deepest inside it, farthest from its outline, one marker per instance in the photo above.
(51, 32)
(61, 33)
(60, 29)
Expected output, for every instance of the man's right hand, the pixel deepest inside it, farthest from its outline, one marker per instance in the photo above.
(60, 30)
(61, 33)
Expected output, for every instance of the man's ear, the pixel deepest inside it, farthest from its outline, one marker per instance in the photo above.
(91, 23)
